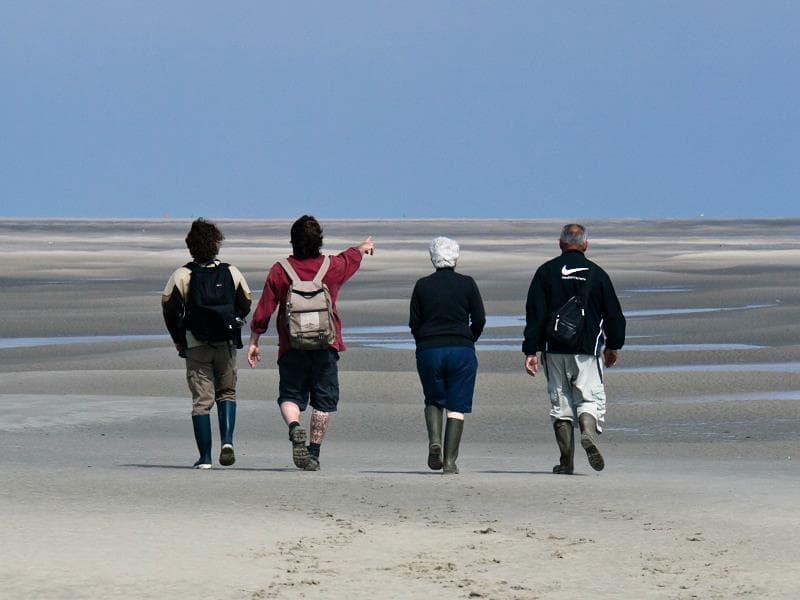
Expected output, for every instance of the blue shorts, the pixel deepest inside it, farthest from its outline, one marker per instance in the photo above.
(448, 376)
(309, 375)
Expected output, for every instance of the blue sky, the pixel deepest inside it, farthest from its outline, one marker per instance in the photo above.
(429, 109)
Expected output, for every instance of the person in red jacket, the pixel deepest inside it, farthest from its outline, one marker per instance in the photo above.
(306, 376)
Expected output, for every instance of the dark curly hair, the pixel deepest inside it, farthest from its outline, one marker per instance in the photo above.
(306, 237)
(203, 240)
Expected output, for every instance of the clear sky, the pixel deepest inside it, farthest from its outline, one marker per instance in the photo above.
(391, 109)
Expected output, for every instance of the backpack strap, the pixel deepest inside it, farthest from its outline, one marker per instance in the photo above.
(293, 276)
(323, 270)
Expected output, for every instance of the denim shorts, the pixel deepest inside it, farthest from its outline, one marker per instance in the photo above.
(448, 375)
(309, 375)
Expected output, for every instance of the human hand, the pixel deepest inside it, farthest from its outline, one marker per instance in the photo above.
(253, 355)
(610, 357)
(532, 365)
(367, 246)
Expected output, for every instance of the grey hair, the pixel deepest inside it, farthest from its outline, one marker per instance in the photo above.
(573, 235)
(444, 252)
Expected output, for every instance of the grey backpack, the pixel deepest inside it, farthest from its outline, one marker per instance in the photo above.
(309, 310)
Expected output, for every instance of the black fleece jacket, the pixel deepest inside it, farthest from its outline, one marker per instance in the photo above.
(446, 310)
(555, 282)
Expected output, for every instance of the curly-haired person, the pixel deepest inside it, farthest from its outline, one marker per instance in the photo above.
(204, 304)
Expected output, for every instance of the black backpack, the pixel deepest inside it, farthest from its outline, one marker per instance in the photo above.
(210, 306)
(566, 324)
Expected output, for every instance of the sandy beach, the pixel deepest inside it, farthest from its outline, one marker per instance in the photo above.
(699, 498)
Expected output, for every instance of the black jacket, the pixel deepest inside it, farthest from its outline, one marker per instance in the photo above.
(446, 310)
(555, 282)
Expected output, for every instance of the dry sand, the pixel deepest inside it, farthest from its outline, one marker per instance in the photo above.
(698, 499)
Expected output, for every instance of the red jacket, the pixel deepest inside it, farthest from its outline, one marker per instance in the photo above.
(342, 268)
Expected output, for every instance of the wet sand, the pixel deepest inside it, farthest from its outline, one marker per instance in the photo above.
(698, 499)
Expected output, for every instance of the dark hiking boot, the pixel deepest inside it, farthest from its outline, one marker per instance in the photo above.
(313, 457)
(452, 440)
(565, 437)
(226, 411)
(300, 455)
(202, 435)
(589, 441)
(433, 422)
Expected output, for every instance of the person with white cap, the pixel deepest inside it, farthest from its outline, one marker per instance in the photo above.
(447, 318)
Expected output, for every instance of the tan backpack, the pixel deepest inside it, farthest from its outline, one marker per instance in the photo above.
(309, 310)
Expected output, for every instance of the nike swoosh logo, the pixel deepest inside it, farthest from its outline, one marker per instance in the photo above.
(566, 272)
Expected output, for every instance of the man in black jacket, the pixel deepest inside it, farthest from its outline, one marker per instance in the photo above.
(573, 368)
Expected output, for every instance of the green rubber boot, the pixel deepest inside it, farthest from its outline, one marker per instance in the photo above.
(589, 441)
(433, 421)
(452, 440)
(565, 437)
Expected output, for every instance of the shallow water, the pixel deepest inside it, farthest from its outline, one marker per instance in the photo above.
(6, 343)
(658, 312)
(658, 290)
(398, 337)
(760, 395)
(515, 345)
(787, 367)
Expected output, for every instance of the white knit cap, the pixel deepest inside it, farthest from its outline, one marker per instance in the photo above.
(444, 252)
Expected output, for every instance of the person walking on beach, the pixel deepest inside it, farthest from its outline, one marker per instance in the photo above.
(204, 305)
(304, 288)
(447, 318)
(572, 317)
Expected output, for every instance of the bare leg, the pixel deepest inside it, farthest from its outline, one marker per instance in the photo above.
(300, 456)
(290, 412)
(319, 425)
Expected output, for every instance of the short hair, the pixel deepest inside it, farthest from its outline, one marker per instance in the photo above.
(444, 252)
(306, 237)
(573, 234)
(203, 240)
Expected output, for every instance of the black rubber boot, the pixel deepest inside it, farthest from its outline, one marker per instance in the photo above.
(452, 440)
(589, 441)
(202, 435)
(565, 437)
(226, 411)
(433, 421)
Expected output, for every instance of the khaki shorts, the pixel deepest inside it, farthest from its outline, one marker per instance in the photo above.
(575, 386)
(211, 375)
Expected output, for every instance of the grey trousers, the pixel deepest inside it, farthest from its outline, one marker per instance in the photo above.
(575, 386)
